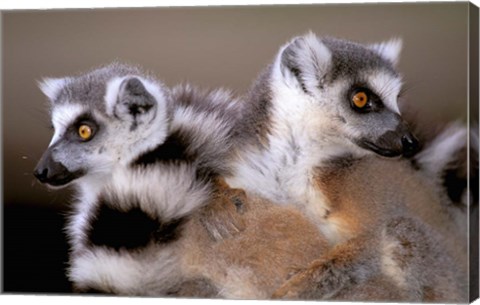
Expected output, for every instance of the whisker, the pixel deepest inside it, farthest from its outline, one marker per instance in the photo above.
(30, 156)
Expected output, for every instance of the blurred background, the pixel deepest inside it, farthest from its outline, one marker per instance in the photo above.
(208, 46)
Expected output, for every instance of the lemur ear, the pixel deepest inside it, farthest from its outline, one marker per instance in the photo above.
(389, 50)
(132, 101)
(305, 59)
(51, 87)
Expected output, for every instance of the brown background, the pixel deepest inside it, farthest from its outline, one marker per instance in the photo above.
(210, 47)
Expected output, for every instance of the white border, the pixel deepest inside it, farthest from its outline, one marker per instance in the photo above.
(53, 4)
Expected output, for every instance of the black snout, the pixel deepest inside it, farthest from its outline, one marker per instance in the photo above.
(410, 145)
(41, 174)
(393, 143)
(54, 173)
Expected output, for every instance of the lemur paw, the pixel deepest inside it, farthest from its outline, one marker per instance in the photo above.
(223, 218)
(323, 279)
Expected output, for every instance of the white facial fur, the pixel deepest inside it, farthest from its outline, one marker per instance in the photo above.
(387, 87)
(390, 50)
(62, 117)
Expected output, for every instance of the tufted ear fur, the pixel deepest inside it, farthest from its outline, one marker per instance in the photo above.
(129, 99)
(51, 87)
(304, 61)
(389, 50)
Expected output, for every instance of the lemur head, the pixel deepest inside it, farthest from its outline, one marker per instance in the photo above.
(102, 118)
(350, 89)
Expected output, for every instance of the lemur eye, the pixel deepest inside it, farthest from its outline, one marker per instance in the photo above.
(360, 99)
(85, 132)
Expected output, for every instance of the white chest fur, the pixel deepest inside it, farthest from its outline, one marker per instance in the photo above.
(284, 171)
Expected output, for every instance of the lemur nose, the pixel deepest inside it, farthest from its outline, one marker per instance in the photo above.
(410, 145)
(41, 174)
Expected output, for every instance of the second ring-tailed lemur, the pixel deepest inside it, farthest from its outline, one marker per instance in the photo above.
(312, 121)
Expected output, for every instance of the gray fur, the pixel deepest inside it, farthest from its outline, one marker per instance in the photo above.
(90, 87)
(211, 144)
(256, 113)
(350, 58)
(219, 102)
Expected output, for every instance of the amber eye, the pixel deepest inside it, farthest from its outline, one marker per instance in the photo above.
(85, 132)
(360, 99)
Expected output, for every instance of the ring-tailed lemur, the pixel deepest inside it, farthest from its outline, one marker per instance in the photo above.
(321, 99)
(151, 216)
(312, 120)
